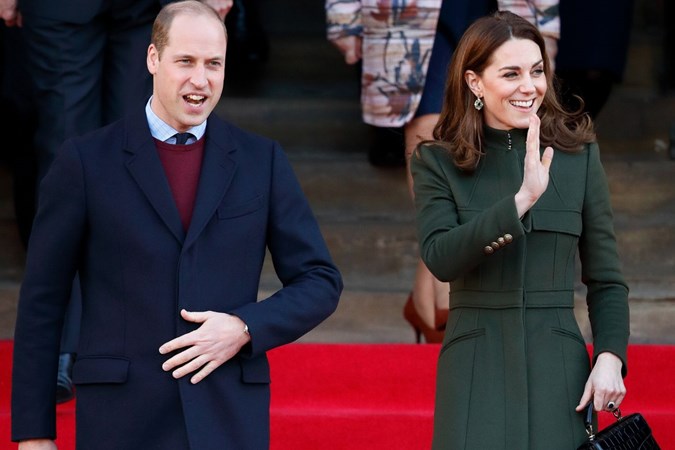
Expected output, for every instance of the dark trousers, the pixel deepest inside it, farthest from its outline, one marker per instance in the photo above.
(18, 122)
(87, 75)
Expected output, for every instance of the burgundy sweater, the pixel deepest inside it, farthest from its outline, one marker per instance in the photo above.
(182, 166)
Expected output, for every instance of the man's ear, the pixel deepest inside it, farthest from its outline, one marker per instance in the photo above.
(152, 59)
(474, 83)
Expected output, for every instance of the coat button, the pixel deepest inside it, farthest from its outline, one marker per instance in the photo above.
(508, 238)
(495, 245)
(488, 250)
(501, 241)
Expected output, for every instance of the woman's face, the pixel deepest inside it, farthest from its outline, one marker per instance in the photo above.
(512, 86)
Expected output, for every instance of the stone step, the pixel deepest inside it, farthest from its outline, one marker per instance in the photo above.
(305, 126)
(299, 67)
(634, 117)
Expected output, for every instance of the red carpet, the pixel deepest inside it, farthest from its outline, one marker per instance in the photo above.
(335, 396)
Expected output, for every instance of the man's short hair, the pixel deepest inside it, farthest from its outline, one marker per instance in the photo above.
(162, 24)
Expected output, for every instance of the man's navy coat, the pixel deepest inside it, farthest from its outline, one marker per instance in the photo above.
(106, 211)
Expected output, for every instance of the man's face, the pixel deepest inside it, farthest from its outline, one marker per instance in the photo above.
(188, 76)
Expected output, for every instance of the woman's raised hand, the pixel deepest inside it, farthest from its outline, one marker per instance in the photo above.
(535, 177)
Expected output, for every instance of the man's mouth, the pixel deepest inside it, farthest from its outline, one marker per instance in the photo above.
(194, 99)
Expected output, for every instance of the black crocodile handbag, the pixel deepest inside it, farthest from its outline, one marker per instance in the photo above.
(627, 433)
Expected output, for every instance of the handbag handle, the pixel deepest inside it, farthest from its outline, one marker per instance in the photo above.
(588, 419)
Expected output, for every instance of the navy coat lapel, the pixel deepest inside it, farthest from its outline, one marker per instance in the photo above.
(146, 169)
(218, 168)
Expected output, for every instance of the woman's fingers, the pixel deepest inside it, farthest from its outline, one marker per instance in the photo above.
(533, 136)
(547, 158)
(532, 146)
(586, 397)
(536, 165)
(536, 168)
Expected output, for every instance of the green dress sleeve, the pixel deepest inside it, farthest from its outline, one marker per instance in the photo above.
(607, 296)
(451, 245)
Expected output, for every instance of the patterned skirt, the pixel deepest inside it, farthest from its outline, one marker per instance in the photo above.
(397, 40)
(398, 36)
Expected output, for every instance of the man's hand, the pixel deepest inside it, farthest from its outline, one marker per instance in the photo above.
(9, 13)
(216, 341)
(37, 444)
(222, 7)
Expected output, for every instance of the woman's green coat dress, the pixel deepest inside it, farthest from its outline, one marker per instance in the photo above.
(513, 364)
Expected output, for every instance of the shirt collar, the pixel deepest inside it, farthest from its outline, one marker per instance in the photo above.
(161, 131)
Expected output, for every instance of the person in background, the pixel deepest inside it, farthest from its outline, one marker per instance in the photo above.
(394, 41)
(500, 216)
(18, 116)
(592, 51)
(248, 46)
(166, 215)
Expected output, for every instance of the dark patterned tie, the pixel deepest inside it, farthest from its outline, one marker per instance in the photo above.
(181, 138)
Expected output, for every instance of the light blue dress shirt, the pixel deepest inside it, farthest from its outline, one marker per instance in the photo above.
(161, 131)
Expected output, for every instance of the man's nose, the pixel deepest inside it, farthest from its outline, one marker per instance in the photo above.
(198, 76)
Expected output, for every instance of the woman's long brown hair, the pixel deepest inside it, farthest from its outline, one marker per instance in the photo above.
(460, 126)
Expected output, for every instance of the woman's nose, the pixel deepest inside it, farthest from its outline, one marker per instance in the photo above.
(527, 85)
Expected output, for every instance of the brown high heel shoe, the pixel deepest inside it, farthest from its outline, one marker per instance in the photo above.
(431, 335)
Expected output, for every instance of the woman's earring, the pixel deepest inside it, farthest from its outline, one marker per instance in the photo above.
(478, 104)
